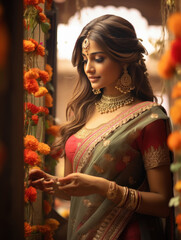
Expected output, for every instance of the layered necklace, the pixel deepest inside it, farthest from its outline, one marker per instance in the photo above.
(110, 104)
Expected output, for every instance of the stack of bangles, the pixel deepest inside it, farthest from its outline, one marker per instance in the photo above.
(124, 197)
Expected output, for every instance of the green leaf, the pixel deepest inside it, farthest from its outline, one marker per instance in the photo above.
(50, 87)
(175, 166)
(45, 27)
(174, 202)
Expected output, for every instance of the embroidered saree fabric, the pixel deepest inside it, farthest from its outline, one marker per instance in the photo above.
(114, 151)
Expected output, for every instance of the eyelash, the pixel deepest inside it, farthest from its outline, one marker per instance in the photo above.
(98, 60)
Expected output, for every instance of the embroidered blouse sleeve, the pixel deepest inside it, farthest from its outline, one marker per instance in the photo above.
(153, 145)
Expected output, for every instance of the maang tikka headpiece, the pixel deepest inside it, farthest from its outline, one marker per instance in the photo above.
(86, 43)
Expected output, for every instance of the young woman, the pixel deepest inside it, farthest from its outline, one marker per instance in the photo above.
(116, 157)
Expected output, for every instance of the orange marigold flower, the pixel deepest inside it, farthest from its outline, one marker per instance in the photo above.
(174, 24)
(35, 119)
(53, 223)
(28, 46)
(175, 112)
(174, 141)
(42, 17)
(178, 186)
(40, 50)
(41, 1)
(44, 76)
(65, 213)
(43, 110)
(41, 92)
(176, 90)
(47, 207)
(31, 85)
(166, 66)
(53, 130)
(43, 148)
(34, 42)
(30, 194)
(31, 157)
(32, 108)
(48, 100)
(178, 219)
(49, 69)
(31, 74)
(27, 229)
(39, 8)
(31, 142)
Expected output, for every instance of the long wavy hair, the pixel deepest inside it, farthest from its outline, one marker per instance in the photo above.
(117, 37)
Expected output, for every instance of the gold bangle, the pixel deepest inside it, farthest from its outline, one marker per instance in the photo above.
(112, 191)
(124, 196)
(132, 201)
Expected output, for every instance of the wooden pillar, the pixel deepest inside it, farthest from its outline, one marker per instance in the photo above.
(11, 128)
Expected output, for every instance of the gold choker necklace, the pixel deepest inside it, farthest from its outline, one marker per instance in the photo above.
(110, 104)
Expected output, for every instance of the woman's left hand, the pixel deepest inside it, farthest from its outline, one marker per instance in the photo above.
(79, 184)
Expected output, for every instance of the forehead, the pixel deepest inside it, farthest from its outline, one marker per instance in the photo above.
(93, 47)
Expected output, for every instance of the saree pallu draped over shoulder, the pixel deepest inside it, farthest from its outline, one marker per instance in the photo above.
(108, 152)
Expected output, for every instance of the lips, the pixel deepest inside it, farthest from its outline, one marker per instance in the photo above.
(93, 78)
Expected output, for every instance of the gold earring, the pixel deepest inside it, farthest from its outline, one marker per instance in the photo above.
(96, 91)
(124, 83)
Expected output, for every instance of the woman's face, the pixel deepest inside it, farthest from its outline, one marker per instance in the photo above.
(101, 70)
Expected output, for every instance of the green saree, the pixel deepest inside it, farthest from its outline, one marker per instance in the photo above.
(108, 152)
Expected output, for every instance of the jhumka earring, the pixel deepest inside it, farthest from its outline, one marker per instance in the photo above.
(96, 91)
(124, 83)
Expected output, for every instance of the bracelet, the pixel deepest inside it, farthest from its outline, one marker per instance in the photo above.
(112, 191)
(124, 196)
(134, 200)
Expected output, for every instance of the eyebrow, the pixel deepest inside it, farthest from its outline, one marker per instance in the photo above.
(93, 53)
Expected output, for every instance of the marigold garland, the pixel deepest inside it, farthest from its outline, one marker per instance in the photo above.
(47, 207)
(174, 141)
(41, 92)
(35, 119)
(32, 108)
(49, 69)
(28, 46)
(31, 85)
(48, 100)
(27, 229)
(174, 24)
(31, 157)
(30, 194)
(30, 142)
(43, 148)
(176, 90)
(175, 112)
(44, 76)
(53, 130)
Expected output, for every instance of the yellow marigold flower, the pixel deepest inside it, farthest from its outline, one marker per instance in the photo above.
(178, 186)
(175, 112)
(41, 92)
(174, 24)
(48, 100)
(43, 148)
(176, 91)
(49, 69)
(28, 46)
(53, 223)
(30, 142)
(27, 229)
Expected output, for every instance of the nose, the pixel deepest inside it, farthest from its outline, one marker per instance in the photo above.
(89, 68)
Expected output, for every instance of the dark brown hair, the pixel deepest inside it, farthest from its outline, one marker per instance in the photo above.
(117, 37)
